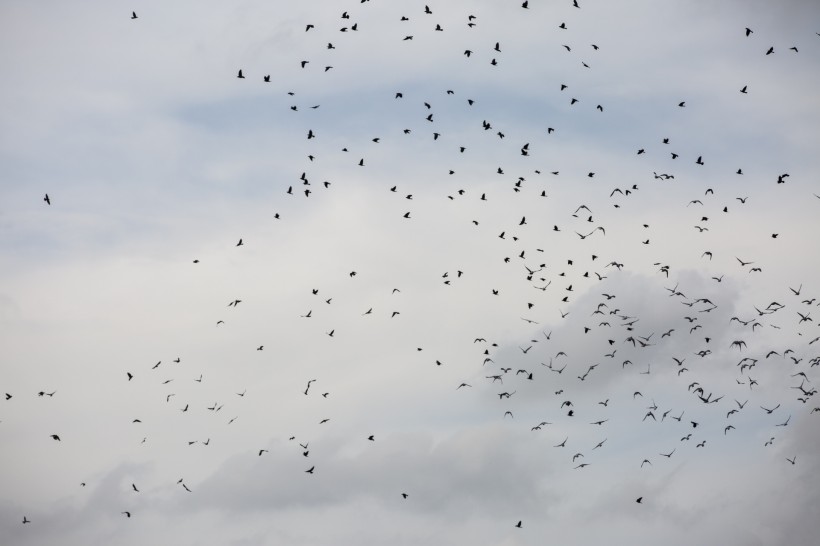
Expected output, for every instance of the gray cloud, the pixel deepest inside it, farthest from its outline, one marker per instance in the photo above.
(155, 155)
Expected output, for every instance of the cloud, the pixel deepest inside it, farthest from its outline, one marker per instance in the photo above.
(155, 154)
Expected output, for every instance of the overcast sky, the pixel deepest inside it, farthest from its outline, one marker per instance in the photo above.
(468, 244)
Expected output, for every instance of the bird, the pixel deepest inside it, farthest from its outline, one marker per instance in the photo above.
(134, 15)
(47, 199)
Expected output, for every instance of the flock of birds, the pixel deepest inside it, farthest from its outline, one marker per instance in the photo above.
(629, 345)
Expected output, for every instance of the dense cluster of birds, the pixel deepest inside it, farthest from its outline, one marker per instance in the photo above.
(624, 341)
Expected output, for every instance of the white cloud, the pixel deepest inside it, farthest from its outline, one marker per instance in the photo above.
(154, 154)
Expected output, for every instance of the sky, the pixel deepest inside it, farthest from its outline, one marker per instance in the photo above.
(531, 268)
